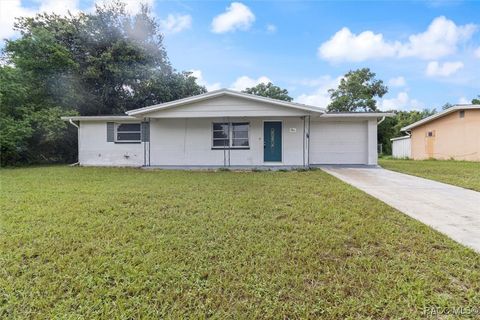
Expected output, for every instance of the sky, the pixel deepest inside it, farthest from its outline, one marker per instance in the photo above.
(426, 52)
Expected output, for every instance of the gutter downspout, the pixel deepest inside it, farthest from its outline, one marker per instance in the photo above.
(73, 123)
(78, 142)
(383, 119)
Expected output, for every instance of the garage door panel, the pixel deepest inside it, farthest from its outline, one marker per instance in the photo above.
(338, 142)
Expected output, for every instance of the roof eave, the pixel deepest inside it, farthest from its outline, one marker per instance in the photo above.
(98, 118)
(358, 115)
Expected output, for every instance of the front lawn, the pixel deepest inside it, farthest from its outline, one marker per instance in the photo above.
(132, 244)
(464, 174)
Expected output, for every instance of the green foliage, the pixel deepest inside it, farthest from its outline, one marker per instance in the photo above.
(270, 91)
(464, 174)
(356, 92)
(100, 63)
(476, 100)
(391, 126)
(447, 105)
(82, 243)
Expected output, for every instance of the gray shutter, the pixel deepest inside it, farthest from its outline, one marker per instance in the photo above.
(110, 132)
(145, 132)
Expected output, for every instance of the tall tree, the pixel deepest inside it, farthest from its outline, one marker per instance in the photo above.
(476, 100)
(270, 91)
(107, 62)
(356, 92)
(99, 63)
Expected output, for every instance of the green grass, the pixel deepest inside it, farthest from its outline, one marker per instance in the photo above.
(464, 174)
(84, 243)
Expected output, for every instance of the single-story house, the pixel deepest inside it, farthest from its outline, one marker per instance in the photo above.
(453, 133)
(227, 128)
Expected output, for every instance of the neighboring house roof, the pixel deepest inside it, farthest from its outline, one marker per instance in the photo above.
(357, 114)
(224, 92)
(400, 138)
(457, 107)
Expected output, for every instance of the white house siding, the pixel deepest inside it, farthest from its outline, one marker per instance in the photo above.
(188, 142)
(94, 150)
(344, 141)
(226, 107)
(401, 147)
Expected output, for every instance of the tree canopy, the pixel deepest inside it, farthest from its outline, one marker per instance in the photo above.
(476, 100)
(270, 91)
(100, 63)
(356, 92)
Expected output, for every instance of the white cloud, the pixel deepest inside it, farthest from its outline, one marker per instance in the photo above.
(131, 6)
(175, 23)
(345, 45)
(8, 11)
(59, 7)
(320, 97)
(477, 53)
(244, 82)
(441, 39)
(436, 69)
(271, 28)
(397, 82)
(464, 100)
(237, 17)
(11, 9)
(401, 101)
(201, 81)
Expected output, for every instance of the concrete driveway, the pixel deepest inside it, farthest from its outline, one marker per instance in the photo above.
(451, 210)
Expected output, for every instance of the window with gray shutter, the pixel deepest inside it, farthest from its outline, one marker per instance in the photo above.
(110, 132)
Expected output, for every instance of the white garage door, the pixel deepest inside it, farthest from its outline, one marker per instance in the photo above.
(338, 142)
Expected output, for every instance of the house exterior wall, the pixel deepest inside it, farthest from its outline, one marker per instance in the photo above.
(453, 137)
(94, 150)
(188, 142)
(401, 148)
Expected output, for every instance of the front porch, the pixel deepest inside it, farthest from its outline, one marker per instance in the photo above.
(234, 142)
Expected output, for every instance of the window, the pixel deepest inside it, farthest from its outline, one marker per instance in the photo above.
(128, 132)
(431, 134)
(220, 135)
(462, 113)
(230, 135)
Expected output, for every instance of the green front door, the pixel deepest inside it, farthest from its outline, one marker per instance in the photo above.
(272, 141)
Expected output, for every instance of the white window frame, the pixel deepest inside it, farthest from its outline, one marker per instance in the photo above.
(127, 141)
(230, 135)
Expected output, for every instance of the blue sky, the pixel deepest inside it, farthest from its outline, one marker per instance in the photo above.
(428, 53)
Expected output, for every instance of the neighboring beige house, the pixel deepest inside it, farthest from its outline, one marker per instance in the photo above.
(451, 134)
